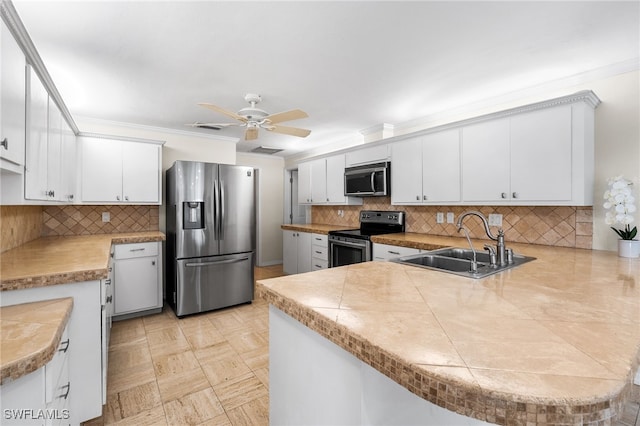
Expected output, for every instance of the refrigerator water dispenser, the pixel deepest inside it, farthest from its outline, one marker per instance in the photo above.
(192, 215)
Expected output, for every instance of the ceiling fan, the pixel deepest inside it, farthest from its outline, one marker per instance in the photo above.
(254, 118)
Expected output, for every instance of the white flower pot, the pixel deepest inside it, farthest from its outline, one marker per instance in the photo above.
(629, 248)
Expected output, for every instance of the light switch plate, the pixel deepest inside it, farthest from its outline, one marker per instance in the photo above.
(495, 219)
(439, 217)
(450, 217)
(106, 217)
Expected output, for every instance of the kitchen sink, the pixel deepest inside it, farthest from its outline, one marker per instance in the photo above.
(457, 261)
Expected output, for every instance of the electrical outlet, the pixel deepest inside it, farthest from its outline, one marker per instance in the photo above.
(495, 219)
(450, 217)
(106, 217)
(439, 217)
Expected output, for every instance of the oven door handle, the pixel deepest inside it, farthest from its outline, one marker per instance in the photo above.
(348, 244)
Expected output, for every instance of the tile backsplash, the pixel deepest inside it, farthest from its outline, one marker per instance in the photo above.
(21, 224)
(87, 220)
(563, 226)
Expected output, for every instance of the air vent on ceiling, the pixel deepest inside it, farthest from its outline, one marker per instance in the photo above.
(266, 150)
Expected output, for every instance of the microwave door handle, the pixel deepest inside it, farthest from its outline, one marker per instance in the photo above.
(373, 181)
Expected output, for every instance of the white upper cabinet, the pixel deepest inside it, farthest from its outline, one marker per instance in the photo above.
(119, 171)
(406, 171)
(527, 158)
(426, 169)
(321, 181)
(37, 160)
(485, 161)
(12, 102)
(50, 147)
(374, 154)
(441, 167)
(304, 183)
(541, 155)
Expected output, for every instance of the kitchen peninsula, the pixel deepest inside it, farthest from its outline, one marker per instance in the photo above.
(553, 341)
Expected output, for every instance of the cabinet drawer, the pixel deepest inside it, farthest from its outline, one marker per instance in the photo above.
(54, 369)
(131, 251)
(319, 239)
(317, 264)
(387, 252)
(320, 252)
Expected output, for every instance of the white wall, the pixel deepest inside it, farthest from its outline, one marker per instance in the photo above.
(270, 205)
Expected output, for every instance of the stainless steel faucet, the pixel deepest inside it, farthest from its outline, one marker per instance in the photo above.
(503, 255)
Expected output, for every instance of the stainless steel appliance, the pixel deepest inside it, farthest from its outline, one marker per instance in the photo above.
(354, 245)
(371, 180)
(210, 236)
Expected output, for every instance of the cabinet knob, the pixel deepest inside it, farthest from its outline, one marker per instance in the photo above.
(153, 263)
(4, 143)
(109, 299)
(504, 195)
(417, 198)
(64, 346)
(51, 193)
(425, 198)
(126, 198)
(118, 197)
(515, 195)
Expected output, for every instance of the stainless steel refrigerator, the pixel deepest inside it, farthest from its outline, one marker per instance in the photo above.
(211, 227)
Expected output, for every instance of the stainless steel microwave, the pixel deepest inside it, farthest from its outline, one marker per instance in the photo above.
(370, 180)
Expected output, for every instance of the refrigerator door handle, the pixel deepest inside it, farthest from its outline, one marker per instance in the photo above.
(219, 262)
(223, 219)
(216, 206)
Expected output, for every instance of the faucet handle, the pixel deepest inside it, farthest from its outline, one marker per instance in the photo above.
(492, 254)
(509, 255)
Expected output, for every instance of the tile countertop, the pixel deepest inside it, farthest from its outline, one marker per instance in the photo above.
(58, 260)
(551, 341)
(31, 334)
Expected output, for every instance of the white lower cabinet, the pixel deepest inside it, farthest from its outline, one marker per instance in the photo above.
(84, 400)
(385, 252)
(296, 252)
(41, 397)
(319, 252)
(137, 278)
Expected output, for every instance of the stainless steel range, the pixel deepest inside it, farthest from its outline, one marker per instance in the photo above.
(354, 245)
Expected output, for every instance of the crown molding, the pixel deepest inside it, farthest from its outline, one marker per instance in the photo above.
(157, 129)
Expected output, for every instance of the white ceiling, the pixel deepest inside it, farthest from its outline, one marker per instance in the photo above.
(350, 65)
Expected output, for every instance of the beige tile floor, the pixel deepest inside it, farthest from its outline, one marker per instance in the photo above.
(210, 368)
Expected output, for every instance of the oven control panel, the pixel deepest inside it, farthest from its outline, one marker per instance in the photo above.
(382, 217)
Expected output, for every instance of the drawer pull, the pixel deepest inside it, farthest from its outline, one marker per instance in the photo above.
(318, 266)
(318, 239)
(5, 143)
(394, 252)
(66, 346)
(109, 299)
(319, 252)
(107, 281)
(66, 394)
(138, 249)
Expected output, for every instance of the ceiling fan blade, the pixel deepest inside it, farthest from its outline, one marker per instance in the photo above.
(251, 134)
(293, 131)
(200, 124)
(279, 117)
(222, 111)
